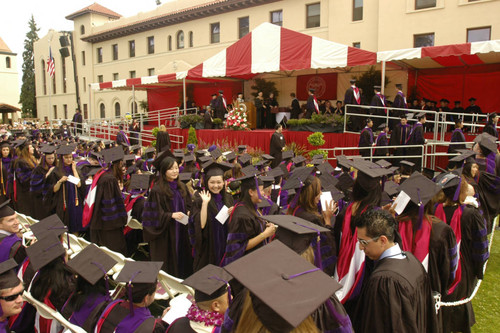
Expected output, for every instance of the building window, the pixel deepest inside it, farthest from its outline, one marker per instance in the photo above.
(131, 48)
(99, 54)
(65, 110)
(102, 109)
(84, 84)
(100, 78)
(85, 111)
(82, 30)
(133, 107)
(478, 34)
(63, 65)
(151, 71)
(215, 32)
(132, 74)
(313, 15)
(170, 43)
(151, 45)
(180, 39)
(190, 39)
(44, 78)
(115, 76)
(55, 111)
(356, 45)
(244, 26)
(357, 10)
(83, 58)
(117, 110)
(114, 49)
(7, 62)
(423, 40)
(422, 4)
(277, 17)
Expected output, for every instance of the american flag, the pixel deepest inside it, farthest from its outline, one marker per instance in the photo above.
(51, 68)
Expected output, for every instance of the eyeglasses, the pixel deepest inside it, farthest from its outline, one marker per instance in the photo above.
(11, 298)
(365, 242)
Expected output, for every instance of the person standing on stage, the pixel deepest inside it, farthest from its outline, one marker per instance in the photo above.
(295, 107)
(271, 103)
(134, 129)
(261, 109)
(76, 122)
(399, 136)
(353, 96)
(491, 126)
(277, 145)
(457, 136)
(416, 137)
(366, 139)
(312, 105)
(220, 106)
(378, 100)
(400, 103)
(382, 141)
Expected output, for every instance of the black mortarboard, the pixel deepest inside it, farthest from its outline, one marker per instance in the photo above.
(48, 149)
(419, 188)
(216, 153)
(298, 178)
(249, 170)
(420, 115)
(344, 162)
(241, 148)
(221, 91)
(45, 250)
(377, 88)
(160, 157)
(263, 204)
(94, 171)
(200, 152)
(444, 100)
(267, 157)
(188, 158)
(403, 116)
(113, 154)
(449, 179)
(472, 99)
(5, 209)
(49, 225)
(406, 167)
(465, 153)
(135, 148)
(185, 176)
(276, 172)
(20, 143)
(287, 154)
(139, 182)
(216, 169)
(244, 159)
(312, 90)
(399, 86)
(267, 180)
(492, 115)
(382, 126)
(429, 173)
(178, 155)
(383, 163)
(298, 159)
(391, 188)
(277, 277)
(369, 174)
(295, 232)
(325, 168)
(457, 102)
(487, 142)
(149, 150)
(204, 159)
(92, 263)
(209, 283)
(179, 151)
(352, 80)
(129, 157)
(131, 169)
(231, 156)
(345, 182)
(8, 276)
(139, 272)
(327, 180)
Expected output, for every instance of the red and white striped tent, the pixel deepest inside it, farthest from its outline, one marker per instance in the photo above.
(267, 48)
(455, 55)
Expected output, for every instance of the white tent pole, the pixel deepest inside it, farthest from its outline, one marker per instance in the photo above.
(184, 93)
(382, 83)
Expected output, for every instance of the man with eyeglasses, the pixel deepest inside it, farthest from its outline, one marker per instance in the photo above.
(397, 296)
(11, 290)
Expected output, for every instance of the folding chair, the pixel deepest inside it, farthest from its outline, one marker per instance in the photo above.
(134, 224)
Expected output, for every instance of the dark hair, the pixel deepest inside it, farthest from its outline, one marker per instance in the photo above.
(43, 161)
(117, 170)
(245, 195)
(378, 222)
(85, 290)
(277, 126)
(166, 164)
(54, 277)
(292, 94)
(162, 141)
(311, 188)
(141, 290)
(366, 199)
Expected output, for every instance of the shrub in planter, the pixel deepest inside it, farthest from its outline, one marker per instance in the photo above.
(190, 120)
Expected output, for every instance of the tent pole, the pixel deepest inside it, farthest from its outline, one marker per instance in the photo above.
(184, 93)
(382, 82)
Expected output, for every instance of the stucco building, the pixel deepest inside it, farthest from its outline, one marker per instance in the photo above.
(9, 78)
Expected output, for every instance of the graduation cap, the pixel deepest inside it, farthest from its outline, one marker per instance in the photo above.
(267, 180)
(230, 156)
(383, 163)
(352, 81)
(45, 250)
(140, 182)
(205, 159)
(20, 143)
(129, 157)
(429, 173)
(92, 263)
(420, 115)
(344, 162)
(216, 153)
(457, 102)
(135, 148)
(185, 177)
(178, 155)
(403, 116)
(472, 99)
(406, 167)
(244, 159)
(325, 168)
(160, 157)
(8, 276)
(486, 142)
(48, 149)
(399, 86)
(94, 171)
(5, 209)
(188, 158)
(298, 159)
(444, 100)
(149, 150)
(345, 182)
(298, 178)
(287, 154)
(241, 148)
(216, 169)
(276, 172)
(114, 154)
(464, 154)
(391, 188)
(49, 225)
(369, 174)
(492, 115)
(327, 180)
(209, 283)
(267, 157)
(419, 188)
(277, 277)
(377, 88)
(249, 170)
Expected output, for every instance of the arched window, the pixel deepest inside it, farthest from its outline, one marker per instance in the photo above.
(82, 30)
(190, 39)
(44, 78)
(133, 107)
(117, 110)
(103, 110)
(180, 39)
(170, 43)
(7, 62)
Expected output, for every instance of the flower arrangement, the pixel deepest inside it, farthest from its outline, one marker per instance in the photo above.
(237, 118)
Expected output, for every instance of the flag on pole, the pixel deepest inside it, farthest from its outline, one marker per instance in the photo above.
(51, 68)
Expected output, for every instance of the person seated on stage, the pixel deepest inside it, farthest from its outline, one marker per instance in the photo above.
(133, 315)
(339, 109)
(366, 139)
(211, 300)
(397, 296)
(11, 290)
(11, 245)
(91, 296)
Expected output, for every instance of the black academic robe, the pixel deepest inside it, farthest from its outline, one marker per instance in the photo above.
(118, 319)
(310, 107)
(381, 142)
(377, 101)
(181, 325)
(276, 147)
(416, 138)
(295, 109)
(397, 298)
(365, 140)
(488, 190)
(456, 136)
(22, 202)
(220, 109)
(491, 129)
(38, 188)
(168, 239)
(260, 113)
(471, 110)
(4, 182)
(207, 120)
(109, 216)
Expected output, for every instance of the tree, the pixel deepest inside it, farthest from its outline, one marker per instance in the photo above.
(367, 80)
(266, 87)
(28, 97)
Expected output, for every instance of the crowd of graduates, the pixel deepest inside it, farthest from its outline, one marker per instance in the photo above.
(297, 247)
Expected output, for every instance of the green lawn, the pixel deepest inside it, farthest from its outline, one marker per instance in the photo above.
(487, 301)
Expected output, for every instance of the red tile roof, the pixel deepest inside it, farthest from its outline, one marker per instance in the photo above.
(4, 47)
(94, 8)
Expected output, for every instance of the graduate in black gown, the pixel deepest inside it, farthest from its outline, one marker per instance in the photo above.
(276, 146)
(168, 203)
(491, 126)
(382, 141)
(106, 214)
(399, 136)
(11, 245)
(5, 170)
(400, 103)
(353, 96)
(210, 234)
(397, 296)
(378, 100)
(38, 183)
(91, 294)
(366, 139)
(416, 137)
(457, 136)
(22, 168)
